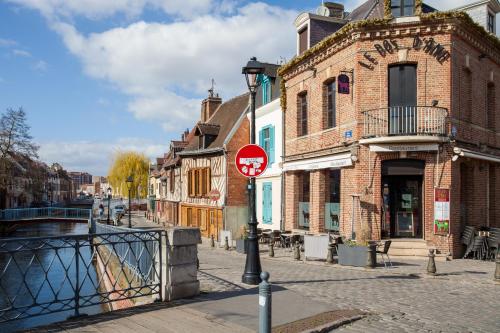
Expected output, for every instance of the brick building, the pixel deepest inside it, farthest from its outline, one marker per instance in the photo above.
(392, 123)
(213, 193)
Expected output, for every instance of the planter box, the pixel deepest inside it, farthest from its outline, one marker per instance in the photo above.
(358, 256)
(241, 246)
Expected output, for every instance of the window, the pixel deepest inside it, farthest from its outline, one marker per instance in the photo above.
(266, 89)
(303, 37)
(330, 117)
(302, 115)
(490, 106)
(332, 200)
(172, 180)
(334, 185)
(199, 182)
(466, 95)
(491, 23)
(266, 141)
(402, 7)
(305, 194)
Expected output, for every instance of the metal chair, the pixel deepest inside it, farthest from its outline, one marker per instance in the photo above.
(276, 237)
(385, 251)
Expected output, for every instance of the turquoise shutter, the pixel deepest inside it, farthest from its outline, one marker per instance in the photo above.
(261, 138)
(271, 145)
(267, 203)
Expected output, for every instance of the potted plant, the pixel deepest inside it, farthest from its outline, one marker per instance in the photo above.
(241, 242)
(359, 253)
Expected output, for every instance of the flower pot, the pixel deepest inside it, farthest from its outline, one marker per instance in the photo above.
(358, 256)
(241, 246)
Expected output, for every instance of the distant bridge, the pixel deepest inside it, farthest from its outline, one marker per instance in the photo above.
(48, 213)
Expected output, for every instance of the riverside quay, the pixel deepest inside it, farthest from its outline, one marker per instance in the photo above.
(392, 118)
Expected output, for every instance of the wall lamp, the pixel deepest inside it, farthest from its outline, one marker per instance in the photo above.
(457, 152)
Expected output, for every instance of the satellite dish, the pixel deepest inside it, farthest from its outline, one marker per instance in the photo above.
(323, 11)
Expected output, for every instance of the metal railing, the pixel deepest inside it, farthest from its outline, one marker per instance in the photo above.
(405, 120)
(47, 275)
(20, 214)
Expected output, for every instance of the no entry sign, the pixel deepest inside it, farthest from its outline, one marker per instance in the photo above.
(251, 160)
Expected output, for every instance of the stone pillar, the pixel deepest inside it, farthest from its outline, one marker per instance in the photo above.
(317, 203)
(291, 198)
(180, 264)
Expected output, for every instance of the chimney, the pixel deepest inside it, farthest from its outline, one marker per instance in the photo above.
(336, 10)
(184, 135)
(210, 105)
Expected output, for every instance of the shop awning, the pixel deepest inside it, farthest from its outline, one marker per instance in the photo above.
(461, 152)
(324, 162)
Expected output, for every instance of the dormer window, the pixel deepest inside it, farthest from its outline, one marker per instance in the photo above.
(402, 8)
(303, 39)
(491, 23)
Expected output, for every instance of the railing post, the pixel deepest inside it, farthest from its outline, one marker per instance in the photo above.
(77, 283)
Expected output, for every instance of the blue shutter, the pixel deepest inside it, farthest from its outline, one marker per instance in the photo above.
(267, 203)
(261, 138)
(271, 144)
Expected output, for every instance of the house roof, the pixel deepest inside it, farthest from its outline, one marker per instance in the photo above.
(374, 9)
(207, 128)
(224, 118)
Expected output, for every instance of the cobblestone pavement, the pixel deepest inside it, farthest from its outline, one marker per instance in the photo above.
(462, 298)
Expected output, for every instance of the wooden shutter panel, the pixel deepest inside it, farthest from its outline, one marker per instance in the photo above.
(271, 145)
(209, 180)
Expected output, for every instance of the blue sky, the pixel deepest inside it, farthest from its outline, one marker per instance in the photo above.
(98, 76)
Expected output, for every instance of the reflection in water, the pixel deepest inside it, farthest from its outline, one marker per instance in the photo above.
(48, 276)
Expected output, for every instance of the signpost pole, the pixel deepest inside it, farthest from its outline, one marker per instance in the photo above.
(253, 269)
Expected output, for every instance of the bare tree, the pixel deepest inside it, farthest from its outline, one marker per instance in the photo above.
(15, 138)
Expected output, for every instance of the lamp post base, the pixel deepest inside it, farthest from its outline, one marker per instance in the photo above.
(252, 265)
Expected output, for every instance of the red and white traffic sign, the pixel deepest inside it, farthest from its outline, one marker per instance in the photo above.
(251, 160)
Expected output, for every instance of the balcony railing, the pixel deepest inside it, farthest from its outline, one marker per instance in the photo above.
(405, 120)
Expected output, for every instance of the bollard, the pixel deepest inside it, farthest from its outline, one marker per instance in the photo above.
(212, 242)
(497, 269)
(271, 249)
(265, 306)
(431, 265)
(329, 257)
(296, 254)
(226, 244)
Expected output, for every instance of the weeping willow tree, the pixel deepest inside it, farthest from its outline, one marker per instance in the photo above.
(127, 164)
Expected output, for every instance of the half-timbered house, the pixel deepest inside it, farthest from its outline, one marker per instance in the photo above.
(214, 194)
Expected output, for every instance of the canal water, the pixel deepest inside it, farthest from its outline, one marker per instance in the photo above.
(49, 276)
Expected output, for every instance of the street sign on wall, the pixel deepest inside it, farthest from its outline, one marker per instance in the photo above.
(251, 160)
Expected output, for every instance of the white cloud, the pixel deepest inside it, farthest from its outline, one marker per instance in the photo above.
(95, 157)
(7, 42)
(40, 66)
(21, 53)
(99, 9)
(166, 68)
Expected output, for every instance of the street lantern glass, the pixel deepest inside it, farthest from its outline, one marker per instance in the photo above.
(251, 71)
(130, 180)
(109, 190)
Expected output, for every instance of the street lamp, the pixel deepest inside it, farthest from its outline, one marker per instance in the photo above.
(109, 202)
(130, 181)
(252, 265)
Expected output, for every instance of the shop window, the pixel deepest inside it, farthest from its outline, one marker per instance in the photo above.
(493, 195)
(490, 107)
(302, 114)
(332, 201)
(330, 108)
(402, 8)
(304, 198)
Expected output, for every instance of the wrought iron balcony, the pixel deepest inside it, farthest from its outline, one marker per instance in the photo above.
(405, 120)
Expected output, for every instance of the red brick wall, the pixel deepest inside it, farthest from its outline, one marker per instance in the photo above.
(237, 184)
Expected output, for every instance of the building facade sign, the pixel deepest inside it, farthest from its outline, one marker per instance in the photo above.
(389, 148)
(441, 211)
(343, 84)
(330, 162)
(389, 46)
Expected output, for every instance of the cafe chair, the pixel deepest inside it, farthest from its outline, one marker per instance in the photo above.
(385, 251)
